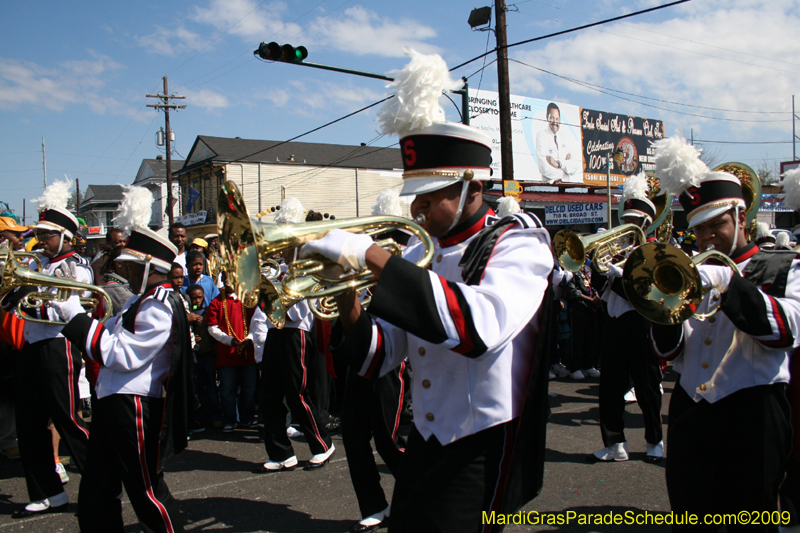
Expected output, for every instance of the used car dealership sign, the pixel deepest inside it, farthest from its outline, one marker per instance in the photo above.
(567, 214)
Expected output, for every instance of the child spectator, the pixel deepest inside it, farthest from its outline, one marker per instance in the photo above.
(205, 374)
(195, 262)
(176, 277)
(227, 323)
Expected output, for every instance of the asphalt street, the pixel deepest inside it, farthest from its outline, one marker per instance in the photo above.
(216, 491)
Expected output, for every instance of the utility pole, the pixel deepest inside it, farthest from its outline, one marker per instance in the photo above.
(77, 197)
(794, 133)
(23, 211)
(166, 106)
(506, 153)
(44, 163)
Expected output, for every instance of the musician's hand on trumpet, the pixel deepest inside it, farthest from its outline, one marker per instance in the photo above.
(716, 277)
(347, 249)
(69, 308)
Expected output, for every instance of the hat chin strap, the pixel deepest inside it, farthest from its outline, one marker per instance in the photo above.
(736, 230)
(146, 276)
(60, 244)
(461, 201)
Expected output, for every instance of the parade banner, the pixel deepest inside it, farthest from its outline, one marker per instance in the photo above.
(555, 142)
(568, 214)
(603, 133)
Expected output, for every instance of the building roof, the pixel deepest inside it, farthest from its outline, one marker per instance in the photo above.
(222, 149)
(97, 194)
(155, 170)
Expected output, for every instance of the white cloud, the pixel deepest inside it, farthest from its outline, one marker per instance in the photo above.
(72, 82)
(207, 99)
(171, 41)
(247, 19)
(306, 99)
(363, 32)
(733, 55)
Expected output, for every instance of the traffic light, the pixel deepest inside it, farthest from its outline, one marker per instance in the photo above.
(286, 53)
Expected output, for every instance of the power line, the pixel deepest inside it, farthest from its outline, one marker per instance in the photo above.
(607, 92)
(571, 30)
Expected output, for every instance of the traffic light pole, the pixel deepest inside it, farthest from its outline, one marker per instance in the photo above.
(463, 92)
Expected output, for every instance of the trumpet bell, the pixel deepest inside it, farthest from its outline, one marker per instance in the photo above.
(662, 283)
(569, 250)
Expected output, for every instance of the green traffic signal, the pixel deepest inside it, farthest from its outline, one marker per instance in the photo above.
(286, 53)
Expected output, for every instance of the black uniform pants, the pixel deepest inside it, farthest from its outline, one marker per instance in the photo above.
(728, 456)
(372, 409)
(629, 356)
(124, 451)
(47, 388)
(289, 359)
(447, 488)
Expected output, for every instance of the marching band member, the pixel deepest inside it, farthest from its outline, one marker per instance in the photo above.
(372, 409)
(729, 432)
(144, 386)
(469, 326)
(627, 355)
(49, 365)
(289, 361)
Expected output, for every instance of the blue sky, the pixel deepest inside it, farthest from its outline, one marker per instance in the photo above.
(77, 73)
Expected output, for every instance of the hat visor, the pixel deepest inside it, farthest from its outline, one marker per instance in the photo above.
(699, 216)
(422, 185)
(158, 263)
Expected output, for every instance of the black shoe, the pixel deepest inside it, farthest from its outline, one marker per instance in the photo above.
(315, 466)
(652, 459)
(24, 513)
(333, 424)
(283, 466)
(592, 458)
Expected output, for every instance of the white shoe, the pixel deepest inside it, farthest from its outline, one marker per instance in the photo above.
(655, 452)
(552, 375)
(291, 432)
(319, 460)
(62, 473)
(376, 519)
(560, 370)
(577, 375)
(591, 372)
(275, 466)
(615, 452)
(630, 396)
(42, 505)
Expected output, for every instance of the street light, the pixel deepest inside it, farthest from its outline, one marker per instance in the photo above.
(616, 156)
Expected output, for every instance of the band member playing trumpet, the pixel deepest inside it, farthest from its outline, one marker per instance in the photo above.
(49, 365)
(627, 356)
(144, 390)
(469, 326)
(729, 433)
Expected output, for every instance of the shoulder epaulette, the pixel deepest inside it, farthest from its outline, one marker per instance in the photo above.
(161, 294)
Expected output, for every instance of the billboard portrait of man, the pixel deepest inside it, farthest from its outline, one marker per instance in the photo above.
(557, 155)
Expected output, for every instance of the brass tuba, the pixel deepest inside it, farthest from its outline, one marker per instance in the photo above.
(246, 243)
(571, 249)
(663, 283)
(13, 277)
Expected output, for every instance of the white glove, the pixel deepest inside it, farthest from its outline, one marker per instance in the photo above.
(717, 277)
(69, 309)
(614, 271)
(347, 249)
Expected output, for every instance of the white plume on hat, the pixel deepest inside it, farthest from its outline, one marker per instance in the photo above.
(55, 195)
(388, 203)
(291, 212)
(791, 189)
(678, 164)
(417, 88)
(763, 230)
(782, 240)
(507, 205)
(635, 187)
(136, 208)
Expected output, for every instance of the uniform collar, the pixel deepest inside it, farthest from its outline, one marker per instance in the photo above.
(61, 257)
(152, 288)
(468, 228)
(745, 252)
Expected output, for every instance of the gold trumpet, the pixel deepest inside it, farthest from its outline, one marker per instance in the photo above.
(14, 277)
(570, 248)
(25, 257)
(246, 243)
(663, 283)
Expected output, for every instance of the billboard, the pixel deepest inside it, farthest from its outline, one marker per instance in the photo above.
(555, 142)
